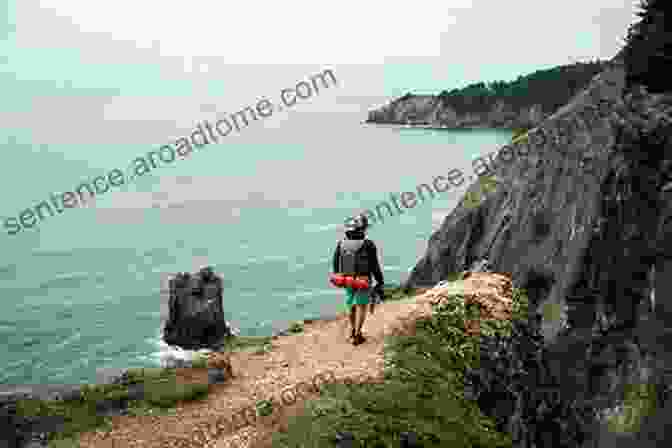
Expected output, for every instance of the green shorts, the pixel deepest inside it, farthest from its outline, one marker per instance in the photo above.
(356, 297)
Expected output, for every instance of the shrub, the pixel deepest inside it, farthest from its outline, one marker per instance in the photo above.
(519, 134)
(264, 408)
(160, 389)
(639, 401)
(455, 276)
(296, 327)
(167, 393)
(200, 361)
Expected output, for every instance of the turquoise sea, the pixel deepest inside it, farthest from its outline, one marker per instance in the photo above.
(86, 290)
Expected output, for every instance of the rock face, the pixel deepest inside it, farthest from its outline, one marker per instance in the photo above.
(196, 317)
(430, 110)
(580, 218)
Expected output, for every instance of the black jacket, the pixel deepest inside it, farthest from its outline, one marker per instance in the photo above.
(370, 246)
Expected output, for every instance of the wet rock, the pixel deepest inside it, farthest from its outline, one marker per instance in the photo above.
(409, 440)
(19, 431)
(196, 316)
(217, 376)
(345, 439)
(136, 392)
(111, 407)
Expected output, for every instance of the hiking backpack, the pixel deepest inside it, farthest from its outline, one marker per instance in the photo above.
(353, 258)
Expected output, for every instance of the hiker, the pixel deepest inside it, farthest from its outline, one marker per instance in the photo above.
(357, 256)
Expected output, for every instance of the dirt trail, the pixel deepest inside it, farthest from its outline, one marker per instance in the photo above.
(321, 347)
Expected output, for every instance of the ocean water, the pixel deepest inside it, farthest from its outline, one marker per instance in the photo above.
(86, 290)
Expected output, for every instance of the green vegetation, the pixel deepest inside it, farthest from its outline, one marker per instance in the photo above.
(648, 50)
(262, 350)
(64, 443)
(246, 342)
(550, 88)
(200, 361)
(519, 134)
(161, 391)
(397, 292)
(551, 311)
(455, 276)
(264, 408)
(296, 327)
(639, 401)
(423, 390)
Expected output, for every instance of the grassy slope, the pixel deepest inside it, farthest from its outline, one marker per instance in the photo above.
(423, 392)
(162, 393)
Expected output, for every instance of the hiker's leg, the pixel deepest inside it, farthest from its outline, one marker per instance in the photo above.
(353, 318)
(361, 317)
(350, 304)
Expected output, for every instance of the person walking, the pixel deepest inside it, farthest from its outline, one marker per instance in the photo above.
(357, 256)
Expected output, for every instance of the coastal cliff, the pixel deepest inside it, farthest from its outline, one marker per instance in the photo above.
(430, 110)
(522, 103)
(579, 218)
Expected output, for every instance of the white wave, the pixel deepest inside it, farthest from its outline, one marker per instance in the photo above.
(166, 353)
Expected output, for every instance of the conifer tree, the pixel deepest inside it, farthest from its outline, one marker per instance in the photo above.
(648, 49)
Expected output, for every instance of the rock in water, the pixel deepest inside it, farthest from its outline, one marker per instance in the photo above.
(196, 317)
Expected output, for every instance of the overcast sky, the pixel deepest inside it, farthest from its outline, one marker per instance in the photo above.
(161, 61)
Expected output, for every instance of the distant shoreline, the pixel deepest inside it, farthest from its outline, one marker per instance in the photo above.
(434, 127)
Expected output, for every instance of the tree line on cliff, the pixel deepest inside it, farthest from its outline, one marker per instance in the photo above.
(648, 49)
(647, 55)
(551, 88)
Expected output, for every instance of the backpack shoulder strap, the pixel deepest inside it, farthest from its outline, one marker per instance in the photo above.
(338, 255)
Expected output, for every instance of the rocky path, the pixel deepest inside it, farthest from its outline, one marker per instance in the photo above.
(321, 348)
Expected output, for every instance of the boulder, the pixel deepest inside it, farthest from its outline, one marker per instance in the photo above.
(23, 431)
(196, 318)
(217, 376)
(219, 367)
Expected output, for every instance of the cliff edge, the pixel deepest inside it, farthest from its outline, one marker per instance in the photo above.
(579, 218)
